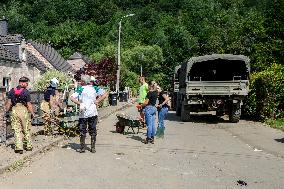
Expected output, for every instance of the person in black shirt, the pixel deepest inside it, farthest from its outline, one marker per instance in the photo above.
(49, 104)
(19, 101)
(150, 112)
(163, 109)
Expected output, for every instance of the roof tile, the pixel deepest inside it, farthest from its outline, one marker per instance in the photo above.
(7, 55)
(55, 59)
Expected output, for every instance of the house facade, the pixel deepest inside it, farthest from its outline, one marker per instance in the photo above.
(78, 61)
(19, 57)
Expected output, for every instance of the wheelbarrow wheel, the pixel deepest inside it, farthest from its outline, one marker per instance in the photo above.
(119, 128)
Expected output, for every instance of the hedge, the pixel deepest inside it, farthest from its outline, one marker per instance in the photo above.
(266, 96)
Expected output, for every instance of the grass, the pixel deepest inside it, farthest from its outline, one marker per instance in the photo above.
(277, 124)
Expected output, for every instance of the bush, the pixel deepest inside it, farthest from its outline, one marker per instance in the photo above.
(63, 78)
(266, 96)
(277, 124)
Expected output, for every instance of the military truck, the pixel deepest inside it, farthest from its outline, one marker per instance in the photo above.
(175, 87)
(217, 83)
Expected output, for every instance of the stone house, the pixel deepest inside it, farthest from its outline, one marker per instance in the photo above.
(78, 61)
(19, 57)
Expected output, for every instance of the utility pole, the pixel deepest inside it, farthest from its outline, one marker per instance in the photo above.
(118, 52)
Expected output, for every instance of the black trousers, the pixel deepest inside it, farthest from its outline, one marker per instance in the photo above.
(91, 124)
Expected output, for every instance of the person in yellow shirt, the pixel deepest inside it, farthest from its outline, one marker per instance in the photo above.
(143, 90)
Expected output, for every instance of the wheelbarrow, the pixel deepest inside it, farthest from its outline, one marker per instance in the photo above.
(128, 121)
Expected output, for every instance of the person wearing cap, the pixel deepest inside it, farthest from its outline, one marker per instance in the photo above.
(87, 100)
(19, 101)
(101, 93)
(49, 104)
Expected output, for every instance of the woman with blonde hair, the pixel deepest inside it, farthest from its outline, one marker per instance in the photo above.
(150, 112)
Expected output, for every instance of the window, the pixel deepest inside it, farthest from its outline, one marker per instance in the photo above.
(6, 82)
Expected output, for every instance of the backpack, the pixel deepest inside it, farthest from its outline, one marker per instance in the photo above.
(18, 92)
(18, 95)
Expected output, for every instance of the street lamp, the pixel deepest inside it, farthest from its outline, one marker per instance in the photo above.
(118, 52)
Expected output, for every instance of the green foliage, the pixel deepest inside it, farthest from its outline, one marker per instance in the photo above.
(161, 34)
(150, 58)
(129, 79)
(108, 51)
(266, 98)
(277, 124)
(44, 81)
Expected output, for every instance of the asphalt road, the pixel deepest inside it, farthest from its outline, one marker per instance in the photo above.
(205, 153)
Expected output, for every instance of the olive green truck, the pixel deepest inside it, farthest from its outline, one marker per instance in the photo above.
(217, 82)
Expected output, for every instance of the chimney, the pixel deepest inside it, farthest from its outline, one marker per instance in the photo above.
(3, 26)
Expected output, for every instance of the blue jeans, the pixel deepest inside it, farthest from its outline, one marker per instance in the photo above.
(150, 116)
(162, 114)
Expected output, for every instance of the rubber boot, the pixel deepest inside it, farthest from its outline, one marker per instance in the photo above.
(29, 149)
(158, 133)
(162, 132)
(83, 145)
(93, 145)
(147, 140)
(152, 140)
(19, 151)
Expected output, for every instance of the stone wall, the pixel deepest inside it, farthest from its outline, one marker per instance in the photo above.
(2, 116)
(15, 70)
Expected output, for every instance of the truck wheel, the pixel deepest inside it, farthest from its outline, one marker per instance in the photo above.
(178, 110)
(174, 101)
(219, 113)
(235, 113)
(178, 106)
(185, 114)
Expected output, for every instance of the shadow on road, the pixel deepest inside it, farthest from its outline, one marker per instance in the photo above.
(138, 138)
(171, 116)
(198, 118)
(73, 146)
(280, 140)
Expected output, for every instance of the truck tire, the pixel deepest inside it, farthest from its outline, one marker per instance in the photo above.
(235, 113)
(174, 101)
(219, 113)
(185, 114)
(178, 106)
(178, 110)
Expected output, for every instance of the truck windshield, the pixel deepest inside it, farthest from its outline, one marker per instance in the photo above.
(218, 70)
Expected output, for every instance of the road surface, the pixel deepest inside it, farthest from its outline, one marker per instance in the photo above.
(205, 153)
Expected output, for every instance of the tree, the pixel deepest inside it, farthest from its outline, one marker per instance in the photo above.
(149, 57)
